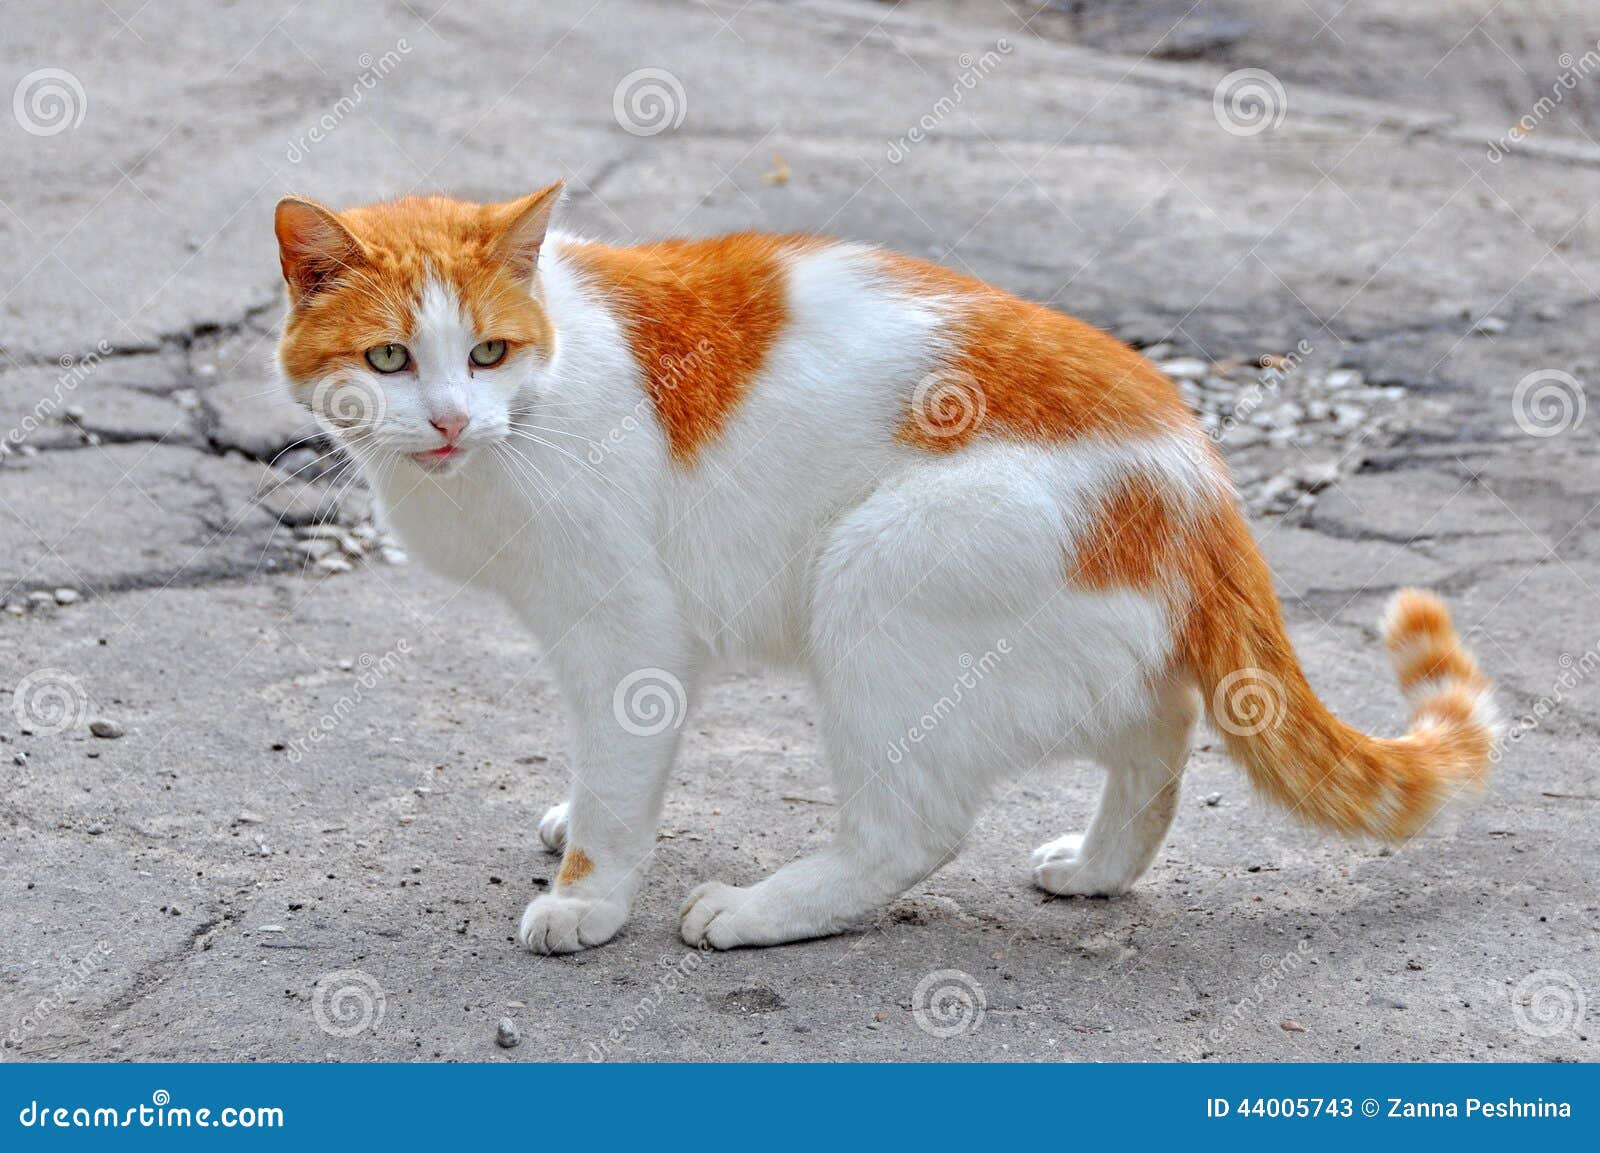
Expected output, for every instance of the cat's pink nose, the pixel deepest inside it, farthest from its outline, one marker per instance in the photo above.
(450, 425)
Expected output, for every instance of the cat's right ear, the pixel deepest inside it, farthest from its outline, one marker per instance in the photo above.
(313, 247)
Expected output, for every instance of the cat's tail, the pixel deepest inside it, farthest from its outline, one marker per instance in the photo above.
(1294, 749)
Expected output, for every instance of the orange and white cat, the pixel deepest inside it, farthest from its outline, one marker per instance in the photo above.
(794, 450)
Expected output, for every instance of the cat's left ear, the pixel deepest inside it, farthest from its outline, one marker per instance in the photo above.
(523, 224)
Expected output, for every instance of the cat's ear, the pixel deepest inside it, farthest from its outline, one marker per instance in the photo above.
(313, 247)
(522, 227)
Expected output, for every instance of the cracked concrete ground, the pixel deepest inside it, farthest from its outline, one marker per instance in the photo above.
(316, 832)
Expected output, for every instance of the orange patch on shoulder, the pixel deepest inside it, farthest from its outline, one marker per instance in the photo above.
(575, 866)
(1027, 372)
(700, 317)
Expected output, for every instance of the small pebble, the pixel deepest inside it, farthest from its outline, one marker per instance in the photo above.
(333, 564)
(505, 1033)
(66, 596)
(1213, 800)
(1185, 368)
(1289, 1025)
(107, 729)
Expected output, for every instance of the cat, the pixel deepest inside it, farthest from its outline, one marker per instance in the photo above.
(805, 452)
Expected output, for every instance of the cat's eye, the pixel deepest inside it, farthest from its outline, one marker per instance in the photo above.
(388, 357)
(488, 353)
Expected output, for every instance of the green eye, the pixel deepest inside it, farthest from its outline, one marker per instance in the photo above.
(388, 357)
(489, 353)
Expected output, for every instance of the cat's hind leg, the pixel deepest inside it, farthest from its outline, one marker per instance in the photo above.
(933, 681)
(1143, 770)
(553, 827)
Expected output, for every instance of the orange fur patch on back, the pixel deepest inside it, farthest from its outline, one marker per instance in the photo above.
(1021, 370)
(700, 317)
(575, 866)
(1135, 541)
(403, 244)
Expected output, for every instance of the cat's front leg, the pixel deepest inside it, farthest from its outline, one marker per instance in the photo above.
(626, 714)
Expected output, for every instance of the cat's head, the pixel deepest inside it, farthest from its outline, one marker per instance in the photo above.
(413, 329)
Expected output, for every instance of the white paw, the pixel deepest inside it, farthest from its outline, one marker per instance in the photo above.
(710, 916)
(1059, 867)
(553, 828)
(556, 923)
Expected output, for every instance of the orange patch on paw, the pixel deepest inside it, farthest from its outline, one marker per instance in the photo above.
(575, 866)
(700, 317)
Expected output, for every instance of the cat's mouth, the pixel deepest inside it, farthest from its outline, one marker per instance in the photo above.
(441, 459)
